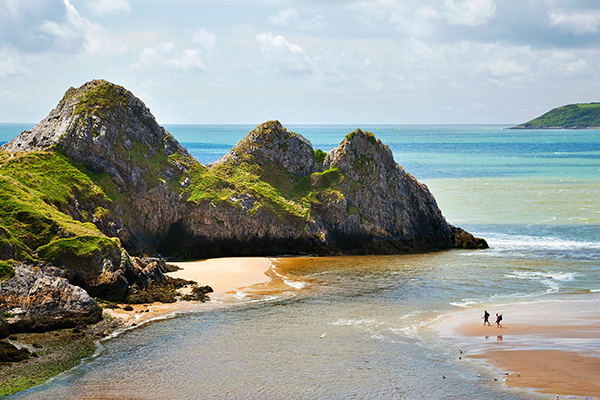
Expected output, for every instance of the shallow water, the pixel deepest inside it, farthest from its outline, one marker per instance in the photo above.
(357, 327)
(339, 328)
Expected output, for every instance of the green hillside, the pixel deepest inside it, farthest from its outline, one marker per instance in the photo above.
(573, 116)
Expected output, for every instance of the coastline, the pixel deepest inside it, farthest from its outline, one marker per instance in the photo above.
(548, 346)
(58, 351)
(224, 275)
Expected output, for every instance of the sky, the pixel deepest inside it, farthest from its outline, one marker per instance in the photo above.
(305, 61)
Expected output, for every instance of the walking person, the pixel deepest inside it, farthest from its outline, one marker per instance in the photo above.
(486, 317)
(498, 319)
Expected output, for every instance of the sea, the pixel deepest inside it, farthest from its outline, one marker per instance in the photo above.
(360, 327)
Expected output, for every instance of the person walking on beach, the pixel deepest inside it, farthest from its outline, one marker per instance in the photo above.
(498, 319)
(486, 317)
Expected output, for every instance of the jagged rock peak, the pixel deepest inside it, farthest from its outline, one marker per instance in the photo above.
(271, 141)
(96, 116)
(362, 155)
(108, 129)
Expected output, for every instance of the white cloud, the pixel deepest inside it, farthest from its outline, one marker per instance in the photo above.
(207, 40)
(11, 65)
(54, 26)
(106, 7)
(291, 17)
(377, 12)
(14, 97)
(288, 58)
(469, 12)
(578, 23)
(504, 67)
(563, 65)
(166, 54)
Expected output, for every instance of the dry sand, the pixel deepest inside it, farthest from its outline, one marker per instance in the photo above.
(549, 346)
(224, 275)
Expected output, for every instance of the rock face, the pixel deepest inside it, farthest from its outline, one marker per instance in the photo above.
(38, 302)
(270, 195)
(4, 331)
(391, 206)
(112, 132)
(272, 142)
(360, 202)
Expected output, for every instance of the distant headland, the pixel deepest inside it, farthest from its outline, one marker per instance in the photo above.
(571, 116)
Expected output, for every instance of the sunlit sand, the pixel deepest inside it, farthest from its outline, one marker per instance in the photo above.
(224, 275)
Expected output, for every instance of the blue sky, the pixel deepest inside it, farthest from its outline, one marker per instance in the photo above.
(310, 61)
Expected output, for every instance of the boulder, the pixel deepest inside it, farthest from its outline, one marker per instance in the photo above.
(11, 353)
(37, 302)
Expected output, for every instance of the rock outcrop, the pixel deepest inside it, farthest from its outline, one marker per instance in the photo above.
(10, 353)
(4, 331)
(37, 302)
(98, 181)
(357, 201)
(110, 131)
(272, 142)
(269, 194)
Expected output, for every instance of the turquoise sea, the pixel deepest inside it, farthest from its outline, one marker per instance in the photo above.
(357, 327)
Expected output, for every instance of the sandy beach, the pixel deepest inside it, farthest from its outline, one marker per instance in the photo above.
(551, 346)
(224, 275)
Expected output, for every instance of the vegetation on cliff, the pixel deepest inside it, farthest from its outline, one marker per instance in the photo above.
(38, 192)
(99, 179)
(572, 116)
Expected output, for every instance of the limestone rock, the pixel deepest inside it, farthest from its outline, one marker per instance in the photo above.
(38, 302)
(271, 141)
(357, 201)
(374, 206)
(109, 130)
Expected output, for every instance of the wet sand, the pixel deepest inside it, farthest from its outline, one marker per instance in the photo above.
(224, 275)
(551, 346)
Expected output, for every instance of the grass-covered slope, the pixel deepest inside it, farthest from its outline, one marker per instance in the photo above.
(574, 116)
(273, 189)
(39, 192)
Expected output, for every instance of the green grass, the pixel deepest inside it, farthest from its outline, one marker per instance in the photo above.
(352, 210)
(369, 136)
(36, 190)
(6, 270)
(80, 248)
(278, 191)
(579, 115)
(320, 155)
(100, 99)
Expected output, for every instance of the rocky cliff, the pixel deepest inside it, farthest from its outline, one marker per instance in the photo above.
(270, 195)
(98, 181)
(112, 133)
